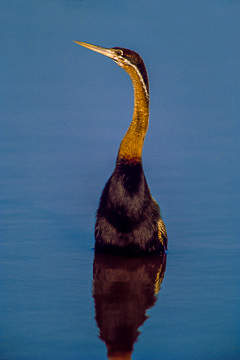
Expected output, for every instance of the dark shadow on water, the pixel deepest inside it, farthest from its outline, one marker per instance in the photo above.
(123, 289)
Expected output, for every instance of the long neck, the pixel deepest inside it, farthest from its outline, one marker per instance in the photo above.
(132, 143)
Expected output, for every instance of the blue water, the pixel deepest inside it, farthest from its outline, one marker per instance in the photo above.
(63, 111)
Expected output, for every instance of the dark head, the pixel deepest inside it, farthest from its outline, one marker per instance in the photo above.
(125, 58)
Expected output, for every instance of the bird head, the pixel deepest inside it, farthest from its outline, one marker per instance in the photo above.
(125, 58)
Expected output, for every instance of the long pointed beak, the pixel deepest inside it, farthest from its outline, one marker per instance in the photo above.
(104, 51)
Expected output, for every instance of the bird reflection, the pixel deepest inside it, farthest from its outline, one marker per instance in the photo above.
(123, 289)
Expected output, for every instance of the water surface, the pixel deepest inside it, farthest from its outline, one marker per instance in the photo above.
(64, 111)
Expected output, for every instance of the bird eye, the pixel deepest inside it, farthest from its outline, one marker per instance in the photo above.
(119, 52)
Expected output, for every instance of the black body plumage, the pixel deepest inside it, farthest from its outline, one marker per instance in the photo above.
(127, 217)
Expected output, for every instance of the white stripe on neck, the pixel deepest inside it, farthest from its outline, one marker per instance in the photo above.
(139, 75)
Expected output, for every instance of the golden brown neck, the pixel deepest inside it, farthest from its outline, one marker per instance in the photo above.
(132, 143)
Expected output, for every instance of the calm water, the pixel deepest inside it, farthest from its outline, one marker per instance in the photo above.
(64, 111)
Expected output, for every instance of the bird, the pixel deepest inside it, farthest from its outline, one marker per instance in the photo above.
(128, 219)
